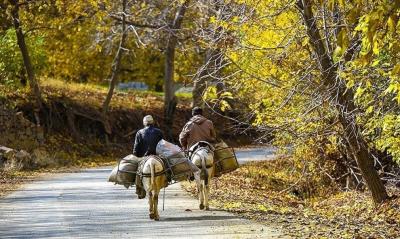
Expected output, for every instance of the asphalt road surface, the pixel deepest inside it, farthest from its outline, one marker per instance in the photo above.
(85, 205)
(255, 154)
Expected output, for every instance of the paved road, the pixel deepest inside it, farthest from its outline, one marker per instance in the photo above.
(255, 154)
(84, 205)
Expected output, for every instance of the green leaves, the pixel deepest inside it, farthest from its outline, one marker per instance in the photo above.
(11, 65)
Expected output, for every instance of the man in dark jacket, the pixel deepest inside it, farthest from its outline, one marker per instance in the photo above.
(146, 141)
(199, 128)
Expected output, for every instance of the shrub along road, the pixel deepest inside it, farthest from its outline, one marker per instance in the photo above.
(84, 205)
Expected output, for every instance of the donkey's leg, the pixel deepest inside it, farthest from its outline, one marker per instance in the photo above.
(207, 190)
(151, 204)
(206, 194)
(201, 195)
(155, 200)
(199, 190)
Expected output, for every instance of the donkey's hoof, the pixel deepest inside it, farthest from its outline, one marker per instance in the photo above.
(151, 215)
(201, 206)
(157, 219)
(207, 208)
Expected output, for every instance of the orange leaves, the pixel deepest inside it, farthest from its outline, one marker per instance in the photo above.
(250, 191)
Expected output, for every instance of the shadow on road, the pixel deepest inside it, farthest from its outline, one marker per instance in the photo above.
(199, 218)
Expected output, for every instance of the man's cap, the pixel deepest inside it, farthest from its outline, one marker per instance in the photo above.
(148, 119)
(197, 111)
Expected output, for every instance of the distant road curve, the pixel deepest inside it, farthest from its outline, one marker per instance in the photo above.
(245, 155)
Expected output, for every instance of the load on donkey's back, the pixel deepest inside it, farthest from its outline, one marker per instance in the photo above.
(156, 163)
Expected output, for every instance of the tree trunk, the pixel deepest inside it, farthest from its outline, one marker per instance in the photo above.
(71, 123)
(199, 85)
(344, 103)
(169, 94)
(115, 71)
(34, 86)
(170, 100)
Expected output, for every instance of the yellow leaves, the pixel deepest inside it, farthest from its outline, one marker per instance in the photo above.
(305, 41)
(261, 207)
(391, 23)
(393, 88)
(396, 71)
(224, 105)
(376, 44)
(332, 3)
(350, 83)
(213, 19)
(342, 3)
(359, 92)
(234, 56)
(338, 53)
(221, 99)
(366, 46)
(210, 93)
(353, 15)
(389, 139)
(232, 205)
(98, 48)
(370, 109)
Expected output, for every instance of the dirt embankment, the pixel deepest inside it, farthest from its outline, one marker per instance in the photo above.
(72, 133)
(72, 130)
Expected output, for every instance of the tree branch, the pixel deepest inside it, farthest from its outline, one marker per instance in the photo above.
(136, 24)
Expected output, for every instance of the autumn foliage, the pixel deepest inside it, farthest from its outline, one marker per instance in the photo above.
(318, 79)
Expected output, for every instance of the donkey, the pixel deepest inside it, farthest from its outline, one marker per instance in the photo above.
(154, 179)
(202, 155)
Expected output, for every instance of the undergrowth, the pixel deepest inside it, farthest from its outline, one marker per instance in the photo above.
(273, 193)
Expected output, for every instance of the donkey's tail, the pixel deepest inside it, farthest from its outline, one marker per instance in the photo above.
(204, 171)
(152, 173)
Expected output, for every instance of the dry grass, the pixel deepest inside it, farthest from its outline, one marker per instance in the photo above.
(267, 192)
(94, 95)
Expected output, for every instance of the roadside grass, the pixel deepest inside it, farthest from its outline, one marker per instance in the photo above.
(271, 192)
(184, 95)
(94, 94)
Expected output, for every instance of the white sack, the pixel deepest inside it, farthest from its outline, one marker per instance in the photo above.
(168, 150)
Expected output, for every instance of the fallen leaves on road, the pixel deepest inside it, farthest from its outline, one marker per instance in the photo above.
(11, 180)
